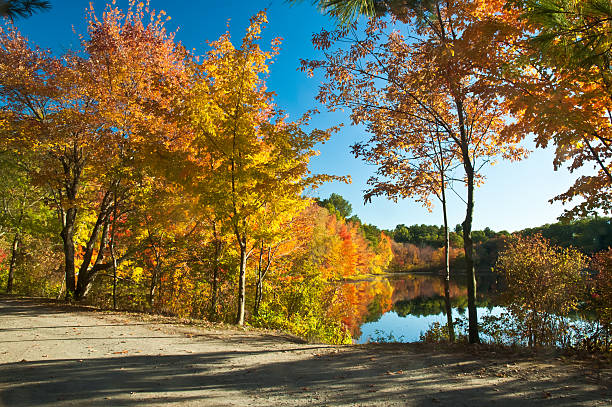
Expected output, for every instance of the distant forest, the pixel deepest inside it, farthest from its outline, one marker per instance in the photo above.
(420, 247)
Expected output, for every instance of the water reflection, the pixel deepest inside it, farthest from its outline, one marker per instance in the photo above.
(400, 307)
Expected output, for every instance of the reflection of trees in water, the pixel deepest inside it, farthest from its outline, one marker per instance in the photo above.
(419, 295)
(423, 295)
(415, 286)
(366, 301)
(426, 306)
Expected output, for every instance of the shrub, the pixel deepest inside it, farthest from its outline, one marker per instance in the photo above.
(545, 283)
(601, 300)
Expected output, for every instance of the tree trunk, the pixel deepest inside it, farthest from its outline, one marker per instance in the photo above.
(242, 283)
(215, 280)
(215, 289)
(258, 295)
(67, 234)
(112, 253)
(13, 264)
(114, 278)
(446, 277)
(87, 273)
(468, 245)
(73, 163)
(153, 285)
(259, 285)
(262, 271)
(152, 288)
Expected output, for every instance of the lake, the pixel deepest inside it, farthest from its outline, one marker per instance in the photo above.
(400, 307)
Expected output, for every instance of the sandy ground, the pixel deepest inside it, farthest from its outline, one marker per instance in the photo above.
(53, 356)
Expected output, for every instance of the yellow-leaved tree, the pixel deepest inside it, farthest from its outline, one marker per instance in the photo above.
(256, 160)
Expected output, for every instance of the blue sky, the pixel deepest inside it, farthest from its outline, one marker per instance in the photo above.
(514, 196)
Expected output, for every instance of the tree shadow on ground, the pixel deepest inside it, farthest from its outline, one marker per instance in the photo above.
(346, 378)
(27, 306)
(246, 367)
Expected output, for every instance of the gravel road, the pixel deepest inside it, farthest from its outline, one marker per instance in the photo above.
(57, 356)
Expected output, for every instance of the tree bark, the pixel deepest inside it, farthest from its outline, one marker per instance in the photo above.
(468, 247)
(215, 280)
(446, 277)
(262, 271)
(259, 285)
(87, 273)
(154, 278)
(152, 289)
(114, 277)
(215, 289)
(112, 252)
(468, 244)
(67, 234)
(242, 281)
(13, 264)
(470, 272)
(73, 163)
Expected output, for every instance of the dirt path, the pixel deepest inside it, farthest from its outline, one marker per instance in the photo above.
(50, 356)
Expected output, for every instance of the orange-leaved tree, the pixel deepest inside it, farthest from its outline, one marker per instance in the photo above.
(89, 117)
(412, 159)
(407, 82)
(560, 80)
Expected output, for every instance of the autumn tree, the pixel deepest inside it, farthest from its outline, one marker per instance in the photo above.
(31, 102)
(310, 295)
(428, 85)
(210, 249)
(86, 116)
(411, 161)
(23, 212)
(276, 237)
(259, 157)
(557, 72)
(559, 77)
